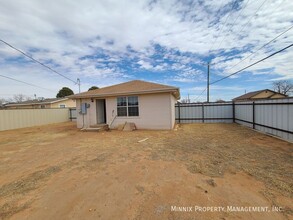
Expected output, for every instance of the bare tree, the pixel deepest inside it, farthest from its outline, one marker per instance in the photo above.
(220, 100)
(20, 98)
(2, 101)
(185, 100)
(284, 86)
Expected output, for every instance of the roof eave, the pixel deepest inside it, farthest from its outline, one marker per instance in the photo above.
(9, 105)
(175, 90)
(59, 100)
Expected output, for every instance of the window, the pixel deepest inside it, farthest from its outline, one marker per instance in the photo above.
(122, 106)
(127, 106)
(62, 106)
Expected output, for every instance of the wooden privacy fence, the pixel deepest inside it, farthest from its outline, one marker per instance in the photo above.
(270, 116)
(21, 118)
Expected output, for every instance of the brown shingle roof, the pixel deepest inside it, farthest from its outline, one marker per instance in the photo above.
(131, 87)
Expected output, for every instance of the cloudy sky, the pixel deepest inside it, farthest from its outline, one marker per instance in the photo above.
(106, 42)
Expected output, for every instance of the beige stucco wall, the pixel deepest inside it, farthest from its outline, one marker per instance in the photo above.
(262, 95)
(88, 119)
(69, 103)
(278, 96)
(173, 102)
(156, 111)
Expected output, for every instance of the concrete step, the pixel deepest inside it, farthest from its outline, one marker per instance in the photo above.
(104, 127)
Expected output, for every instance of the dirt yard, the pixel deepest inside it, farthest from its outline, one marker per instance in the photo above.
(59, 172)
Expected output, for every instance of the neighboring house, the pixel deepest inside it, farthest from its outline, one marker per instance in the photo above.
(148, 105)
(261, 94)
(43, 103)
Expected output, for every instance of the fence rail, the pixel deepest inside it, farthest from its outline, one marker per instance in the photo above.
(270, 116)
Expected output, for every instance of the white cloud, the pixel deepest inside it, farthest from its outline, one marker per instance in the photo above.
(145, 64)
(63, 33)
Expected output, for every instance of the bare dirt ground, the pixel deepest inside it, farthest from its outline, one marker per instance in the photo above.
(59, 172)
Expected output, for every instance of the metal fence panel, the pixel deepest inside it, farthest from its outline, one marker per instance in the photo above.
(216, 113)
(21, 118)
(269, 116)
(243, 113)
(207, 112)
(278, 115)
(188, 113)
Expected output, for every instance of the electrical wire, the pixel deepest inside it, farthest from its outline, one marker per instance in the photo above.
(273, 54)
(219, 10)
(262, 46)
(247, 21)
(30, 84)
(252, 16)
(232, 25)
(36, 61)
(200, 94)
(250, 20)
(234, 4)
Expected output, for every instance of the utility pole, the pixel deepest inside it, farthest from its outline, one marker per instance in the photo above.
(78, 83)
(208, 83)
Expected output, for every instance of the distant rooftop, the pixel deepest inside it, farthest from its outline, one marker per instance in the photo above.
(36, 102)
(251, 95)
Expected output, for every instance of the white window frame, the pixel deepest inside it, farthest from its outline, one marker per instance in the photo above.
(127, 106)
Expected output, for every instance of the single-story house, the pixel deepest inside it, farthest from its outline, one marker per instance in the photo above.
(43, 103)
(261, 94)
(148, 105)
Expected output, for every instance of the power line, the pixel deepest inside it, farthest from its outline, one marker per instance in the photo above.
(273, 54)
(33, 59)
(233, 24)
(201, 93)
(252, 16)
(30, 84)
(219, 10)
(246, 22)
(250, 20)
(234, 4)
(262, 46)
